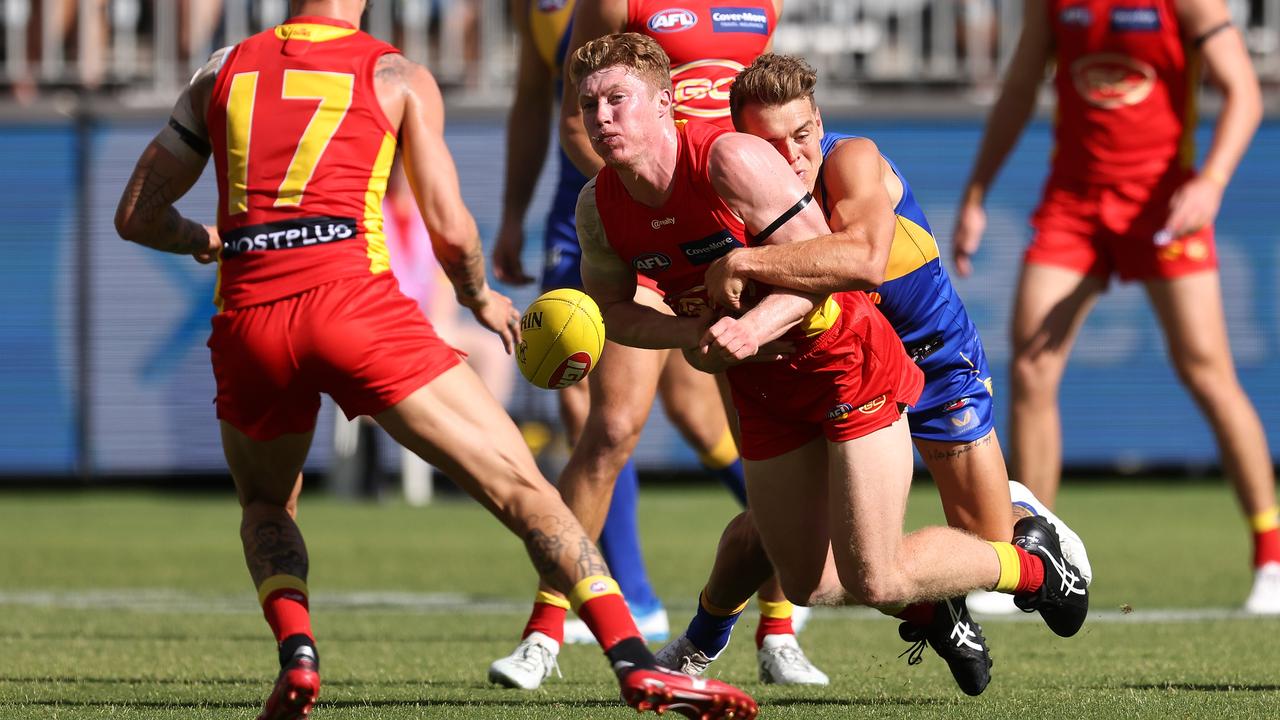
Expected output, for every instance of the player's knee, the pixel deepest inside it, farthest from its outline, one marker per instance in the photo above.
(874, 587)
(1033, 376)
(1206, 380)
(613, 431)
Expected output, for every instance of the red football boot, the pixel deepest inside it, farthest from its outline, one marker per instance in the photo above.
(295, 692)
(662, 690)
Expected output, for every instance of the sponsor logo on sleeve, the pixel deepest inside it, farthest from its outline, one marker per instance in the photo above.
(672, 20)
(1135, 19)
(287, 235)
(740, 20)
(709, 248)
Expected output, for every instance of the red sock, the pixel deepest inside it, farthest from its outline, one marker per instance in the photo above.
(773, 626)
(1030, 572)
(600, 605)
(547, 618)
(287, 612)
(920, 614)
(1266, 547)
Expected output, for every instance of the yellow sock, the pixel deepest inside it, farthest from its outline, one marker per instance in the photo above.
(1010, 567)
(776, 610)
(716, 610)
(590, 588)
(724, 454)
(1265, 521)
(551, 599)
(281, 582)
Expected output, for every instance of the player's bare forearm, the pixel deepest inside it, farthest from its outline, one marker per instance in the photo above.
(1229, 65)
(778, 312)
(146, 214)
(821, 266)
(634, 325)
(528, 130)
(465, 268)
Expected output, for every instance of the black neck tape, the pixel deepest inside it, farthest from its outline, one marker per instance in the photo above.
(784, 217)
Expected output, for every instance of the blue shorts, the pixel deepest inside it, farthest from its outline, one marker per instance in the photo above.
(562, 256)
(956, 404)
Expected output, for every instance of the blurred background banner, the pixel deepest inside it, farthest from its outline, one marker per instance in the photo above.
(103, 369)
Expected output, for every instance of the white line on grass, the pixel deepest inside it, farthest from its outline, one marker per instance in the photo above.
(165, 600)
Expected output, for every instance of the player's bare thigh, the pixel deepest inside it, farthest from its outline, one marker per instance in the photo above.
(1050, 306)
(870, 477)
(789, 495)
(455, 424)
(973, 484)
(692, 402)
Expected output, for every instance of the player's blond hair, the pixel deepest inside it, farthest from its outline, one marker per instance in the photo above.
(639, 54)
(772, 80)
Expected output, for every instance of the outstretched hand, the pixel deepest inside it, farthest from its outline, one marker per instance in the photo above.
(498, 315)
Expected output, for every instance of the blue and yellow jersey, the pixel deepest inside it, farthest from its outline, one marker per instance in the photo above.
(550, 23)
(918, 299)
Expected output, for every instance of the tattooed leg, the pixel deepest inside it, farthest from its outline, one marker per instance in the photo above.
(561, 552)
(272, 543)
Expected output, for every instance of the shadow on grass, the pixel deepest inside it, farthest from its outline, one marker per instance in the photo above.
(1206, 687)
(343, 704)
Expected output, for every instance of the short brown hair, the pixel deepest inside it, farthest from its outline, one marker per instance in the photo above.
(772, 80)
(639, 54)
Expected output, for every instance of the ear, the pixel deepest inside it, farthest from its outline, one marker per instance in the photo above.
(665, 101)
(817, 119)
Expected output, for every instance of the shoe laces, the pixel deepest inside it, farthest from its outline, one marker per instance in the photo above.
(915, 652)
(534, 655)
(793, 656)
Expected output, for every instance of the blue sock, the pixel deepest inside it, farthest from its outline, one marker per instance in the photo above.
(620, 543)
(732, 477)
(710, 632)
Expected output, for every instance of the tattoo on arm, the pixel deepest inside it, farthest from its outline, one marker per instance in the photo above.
(467, 274)
(151, 194)
(274, 547)
(392, 68)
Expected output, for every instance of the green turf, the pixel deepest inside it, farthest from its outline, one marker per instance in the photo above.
(184, 639)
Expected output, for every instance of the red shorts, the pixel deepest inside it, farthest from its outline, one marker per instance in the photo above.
(359, 340)
(1111, 229)
(850, 383)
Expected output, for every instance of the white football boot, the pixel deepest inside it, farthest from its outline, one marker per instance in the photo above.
(683, 656)
(1073, 550)
(782, 662)
(654, 626)
(800, 617)
(1264, 598)
(532, 662)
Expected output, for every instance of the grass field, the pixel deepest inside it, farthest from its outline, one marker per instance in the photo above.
(133, 605)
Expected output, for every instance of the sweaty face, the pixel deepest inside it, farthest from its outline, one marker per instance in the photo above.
(793, 129)
(620, 112)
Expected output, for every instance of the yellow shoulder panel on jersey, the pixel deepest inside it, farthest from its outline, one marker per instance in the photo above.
(912, 248)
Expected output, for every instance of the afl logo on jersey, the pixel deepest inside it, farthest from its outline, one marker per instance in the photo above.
(651, 262)
(1112, 80)
(672, 20)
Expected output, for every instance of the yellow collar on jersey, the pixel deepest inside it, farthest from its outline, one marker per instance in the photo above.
(312, 32)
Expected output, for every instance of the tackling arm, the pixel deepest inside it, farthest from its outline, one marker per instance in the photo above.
(759, 186)
(852, 257)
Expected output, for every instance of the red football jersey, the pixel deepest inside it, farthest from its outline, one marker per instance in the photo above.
(1126, 83)
(675, 243)
(709, 43)
(303, 152)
